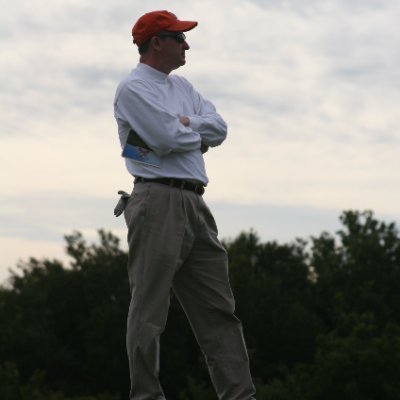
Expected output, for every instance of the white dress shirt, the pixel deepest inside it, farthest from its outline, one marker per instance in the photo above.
(151, 102)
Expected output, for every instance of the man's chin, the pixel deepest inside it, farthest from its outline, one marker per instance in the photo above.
(180, 64)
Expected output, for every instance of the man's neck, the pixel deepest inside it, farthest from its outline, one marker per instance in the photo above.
(156, 65)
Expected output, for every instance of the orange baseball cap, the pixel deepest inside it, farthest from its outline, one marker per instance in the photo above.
(153, 22)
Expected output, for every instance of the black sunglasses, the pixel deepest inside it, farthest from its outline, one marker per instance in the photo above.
(179, 37)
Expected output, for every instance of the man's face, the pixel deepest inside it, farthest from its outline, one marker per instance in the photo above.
(174, 46)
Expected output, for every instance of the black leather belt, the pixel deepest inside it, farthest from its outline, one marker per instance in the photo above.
(177, 183)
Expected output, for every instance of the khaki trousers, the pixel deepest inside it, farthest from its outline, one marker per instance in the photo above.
(173, 244)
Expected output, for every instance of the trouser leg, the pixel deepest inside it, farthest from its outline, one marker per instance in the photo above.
(202, 287)
(155, 236)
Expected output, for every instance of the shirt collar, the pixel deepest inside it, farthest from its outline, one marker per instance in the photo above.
(151, 73)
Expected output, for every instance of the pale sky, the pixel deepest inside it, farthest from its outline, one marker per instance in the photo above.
(309, 89)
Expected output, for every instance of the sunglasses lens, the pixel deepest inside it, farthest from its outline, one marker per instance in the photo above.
(180, 37)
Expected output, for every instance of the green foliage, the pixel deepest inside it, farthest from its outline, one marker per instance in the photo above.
(321, 319)
(11, 387)
(69, 322)
(273, 296)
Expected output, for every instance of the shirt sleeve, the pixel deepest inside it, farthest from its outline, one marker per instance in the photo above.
(160, 129)
(206, 121)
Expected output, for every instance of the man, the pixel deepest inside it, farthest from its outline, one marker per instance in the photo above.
(172, 235)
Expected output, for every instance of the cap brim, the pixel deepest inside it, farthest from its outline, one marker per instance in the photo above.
(182, 26)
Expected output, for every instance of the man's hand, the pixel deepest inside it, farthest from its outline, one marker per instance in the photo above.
(184, 120)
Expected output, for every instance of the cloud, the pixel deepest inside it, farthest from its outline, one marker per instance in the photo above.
(309, 91)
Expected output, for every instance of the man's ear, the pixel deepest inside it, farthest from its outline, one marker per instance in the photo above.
(156, 43)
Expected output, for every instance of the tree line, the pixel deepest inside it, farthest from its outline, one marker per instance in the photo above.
(321, 318)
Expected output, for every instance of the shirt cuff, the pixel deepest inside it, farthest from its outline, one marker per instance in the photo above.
(195, 123)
